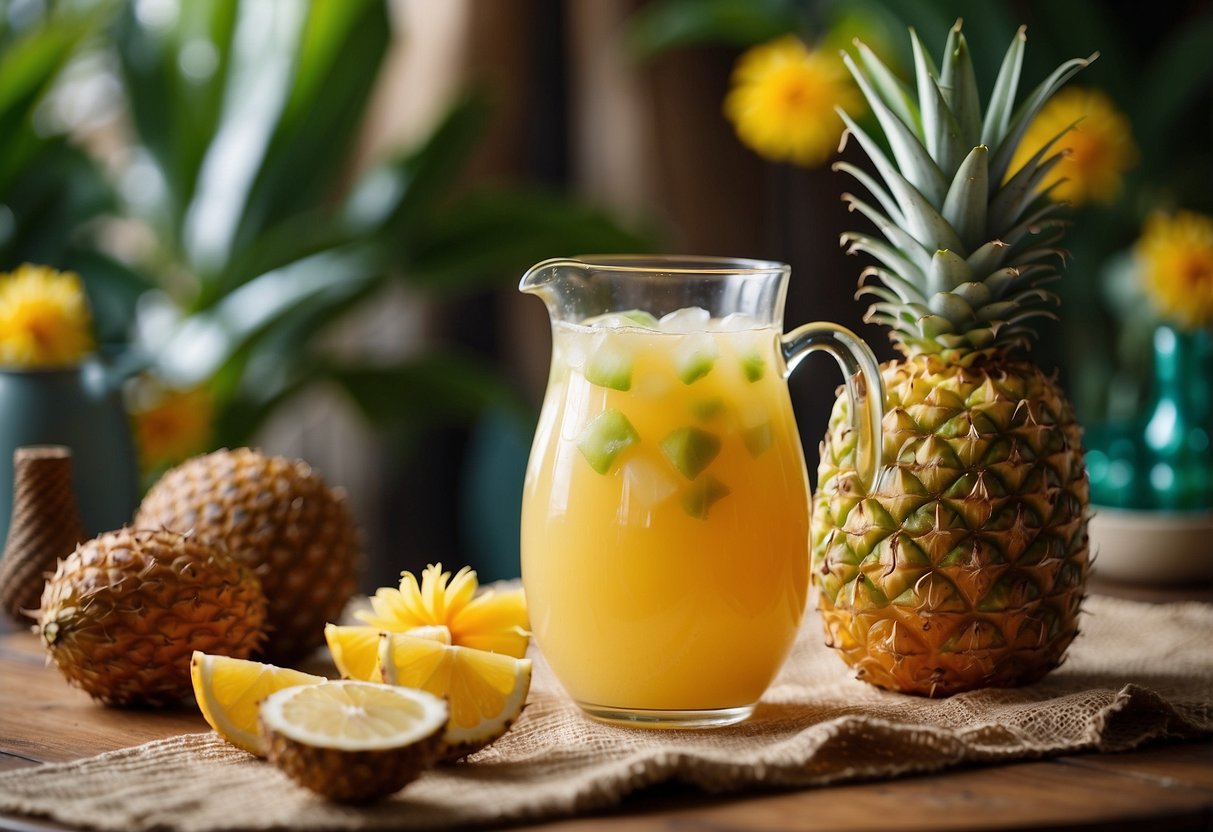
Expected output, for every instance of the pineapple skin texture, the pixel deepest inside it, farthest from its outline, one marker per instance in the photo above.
(352, 776)
(279, 518)
(123, 614)
(966, 568)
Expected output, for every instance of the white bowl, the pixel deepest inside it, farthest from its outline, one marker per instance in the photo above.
(1154, 547)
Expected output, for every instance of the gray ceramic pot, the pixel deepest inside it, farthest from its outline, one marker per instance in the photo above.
(79, 407)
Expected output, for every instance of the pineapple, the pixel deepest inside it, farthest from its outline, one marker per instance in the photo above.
(278, 517)
(964, 565)
(123, 614)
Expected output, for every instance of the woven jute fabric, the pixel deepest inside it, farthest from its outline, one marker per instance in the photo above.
(1137, 673)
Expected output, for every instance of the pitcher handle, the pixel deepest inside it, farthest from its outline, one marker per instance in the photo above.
(862, 373)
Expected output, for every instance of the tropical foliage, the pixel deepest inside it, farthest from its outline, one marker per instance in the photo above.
(231, 230)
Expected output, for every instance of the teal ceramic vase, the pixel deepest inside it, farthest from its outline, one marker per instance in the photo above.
(80, 407)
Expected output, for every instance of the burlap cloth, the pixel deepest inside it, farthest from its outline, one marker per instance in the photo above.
(1138, 672)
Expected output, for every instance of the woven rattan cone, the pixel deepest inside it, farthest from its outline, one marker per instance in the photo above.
(45, 526)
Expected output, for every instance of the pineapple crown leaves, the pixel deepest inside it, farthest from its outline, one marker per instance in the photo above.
(967, 249)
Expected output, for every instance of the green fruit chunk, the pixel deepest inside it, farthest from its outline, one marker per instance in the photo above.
(610, 368)
(691, 450)
(753, 366)
(705, 410)
(695, 368)
(640, 318)
(702, 495)
(758, 438)
(605, 438)
(695, 357)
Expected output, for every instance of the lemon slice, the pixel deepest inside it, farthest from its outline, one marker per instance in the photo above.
(353, 741)
(355, 650)
(229, 690)
(485, 691)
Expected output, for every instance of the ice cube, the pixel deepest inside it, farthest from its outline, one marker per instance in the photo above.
(753, 414)
(758, 438)
(737, 322)
(753, 350)
(610, 363)
(689, 319)
(652, 385)
(647, 482)
(756, 429)
(632, 318)
(694, 356)
(571, 351)
(611, 321)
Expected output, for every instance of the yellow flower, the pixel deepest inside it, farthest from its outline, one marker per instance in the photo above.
(172, 426)
(1175, 254)
(44, 318)
(1100, 146)
(783, 97)
(488, 621)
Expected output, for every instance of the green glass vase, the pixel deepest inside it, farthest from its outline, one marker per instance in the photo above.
(80, 407)
(1164, 460)
(1152, 479)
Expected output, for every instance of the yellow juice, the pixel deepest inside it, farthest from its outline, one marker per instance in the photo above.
(665, 516)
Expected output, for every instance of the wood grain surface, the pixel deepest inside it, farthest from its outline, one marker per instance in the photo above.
(1162, 786)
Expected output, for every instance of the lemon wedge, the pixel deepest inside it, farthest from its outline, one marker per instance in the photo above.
(353, 741)
(485, 691)
(229, 690)
(355, 649)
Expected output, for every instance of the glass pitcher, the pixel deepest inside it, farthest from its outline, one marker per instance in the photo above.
(665, 516)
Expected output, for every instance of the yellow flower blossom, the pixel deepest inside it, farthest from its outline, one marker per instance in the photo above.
(1100, 146)
(1175, 255)
(783, 98)
(44, 318)
(494, 621)
(174, 425)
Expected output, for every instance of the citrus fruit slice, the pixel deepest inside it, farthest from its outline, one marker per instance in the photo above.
(355, 649)
(485, 691)
(229, 690)
(353, 741)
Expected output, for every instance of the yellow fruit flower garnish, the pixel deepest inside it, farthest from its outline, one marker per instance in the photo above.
(172, 426)
(783, 98)
(44, 318)
(1100, 146)
(491, 621)
(1175, 255)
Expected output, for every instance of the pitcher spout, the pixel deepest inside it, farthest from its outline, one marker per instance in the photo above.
(557, 282)
(544, 278)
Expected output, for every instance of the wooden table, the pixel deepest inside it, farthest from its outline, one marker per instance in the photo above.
(1167, 786)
